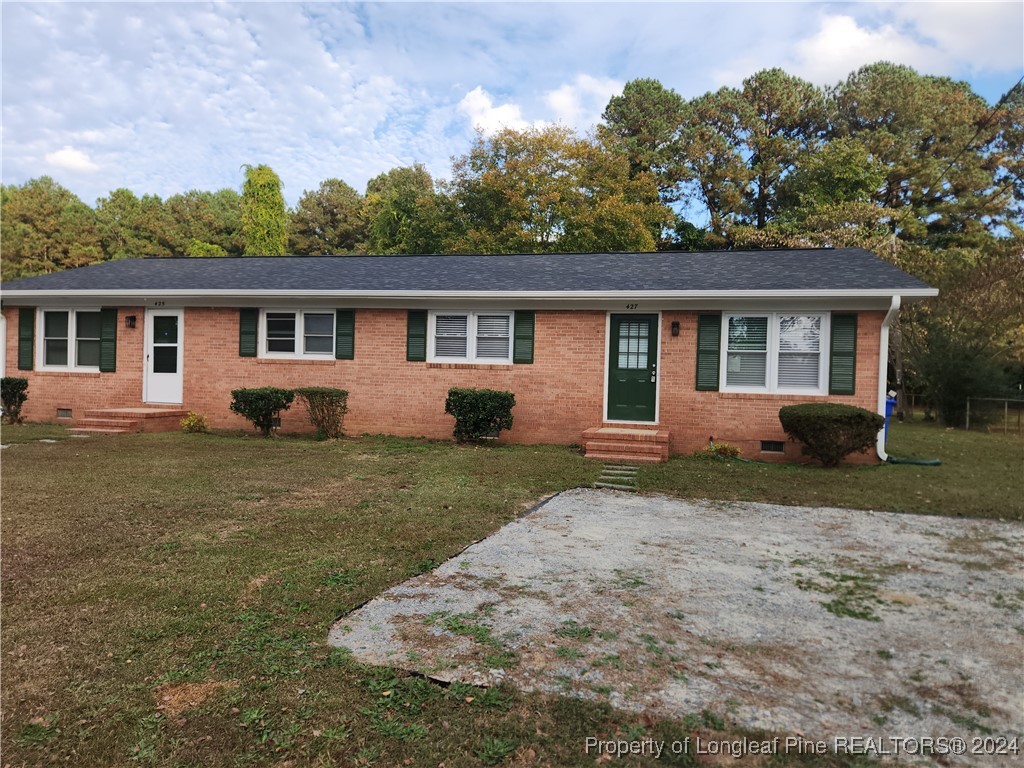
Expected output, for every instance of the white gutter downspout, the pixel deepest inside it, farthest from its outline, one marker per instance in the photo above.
(883, 368)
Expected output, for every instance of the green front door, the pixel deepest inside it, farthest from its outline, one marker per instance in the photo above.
(633, 368)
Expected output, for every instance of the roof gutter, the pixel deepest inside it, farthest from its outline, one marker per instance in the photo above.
(883, 367)
(208, 293)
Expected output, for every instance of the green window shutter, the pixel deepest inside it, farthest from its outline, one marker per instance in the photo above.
(842, 364)
(108, 340)
(709, 341)
(416, 336)
(248, 329)
(522, 348)
(345, 334)
(26, 337)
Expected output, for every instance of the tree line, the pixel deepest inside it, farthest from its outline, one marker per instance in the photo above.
(918, 168)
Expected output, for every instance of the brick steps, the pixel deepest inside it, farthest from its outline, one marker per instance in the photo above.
(120, 421)
(648, 445)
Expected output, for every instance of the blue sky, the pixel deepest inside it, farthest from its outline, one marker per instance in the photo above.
(166, 97)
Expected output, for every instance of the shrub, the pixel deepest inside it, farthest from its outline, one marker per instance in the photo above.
(13, 394)
(479, 413)
(831, 431)
(261, 405)
(194, 423)
(717, 451)
(326, 408)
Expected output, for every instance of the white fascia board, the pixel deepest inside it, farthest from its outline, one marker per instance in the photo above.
(216, 297)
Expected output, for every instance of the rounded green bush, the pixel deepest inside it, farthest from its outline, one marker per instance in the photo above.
(831, 431)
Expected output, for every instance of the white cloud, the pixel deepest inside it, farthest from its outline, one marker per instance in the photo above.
(841, 45)
(169, 97)
(579, 104)
(71, 159)
(978, 35)
(484, 116)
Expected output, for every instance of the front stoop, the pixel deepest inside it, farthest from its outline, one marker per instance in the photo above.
(119, 421)
(647, 445)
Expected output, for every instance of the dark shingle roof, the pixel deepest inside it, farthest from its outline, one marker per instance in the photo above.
(726, 271)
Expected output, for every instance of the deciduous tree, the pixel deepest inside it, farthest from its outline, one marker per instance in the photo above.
(264, 216)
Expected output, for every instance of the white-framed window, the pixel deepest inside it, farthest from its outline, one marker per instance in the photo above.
(69, 339)
(297, 333)
(460, 336)
(784, 352)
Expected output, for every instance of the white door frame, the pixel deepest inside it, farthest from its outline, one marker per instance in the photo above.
(147, 361)
(608, 362)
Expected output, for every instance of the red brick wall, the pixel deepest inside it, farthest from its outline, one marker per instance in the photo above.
(558, 396)
(741, 419)
(50, 390)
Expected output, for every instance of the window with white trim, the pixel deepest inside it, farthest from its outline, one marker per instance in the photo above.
(775, 352)
(297, 333)
(70, 339)
(470, 337)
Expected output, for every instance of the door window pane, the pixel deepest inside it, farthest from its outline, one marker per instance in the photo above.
(165, 359)
(318, 332)
(492, 336)
(280, 331)
(634, 344)
(165, 329)
(451, 335)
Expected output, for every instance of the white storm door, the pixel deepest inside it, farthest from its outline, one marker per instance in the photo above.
(164, 355)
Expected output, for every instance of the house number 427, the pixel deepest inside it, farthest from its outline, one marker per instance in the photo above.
(632, 306)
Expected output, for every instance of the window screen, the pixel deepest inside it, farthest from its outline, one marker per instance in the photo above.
(280, 331)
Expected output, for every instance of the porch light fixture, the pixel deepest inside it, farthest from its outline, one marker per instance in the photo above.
(129, 321)
(675, 327)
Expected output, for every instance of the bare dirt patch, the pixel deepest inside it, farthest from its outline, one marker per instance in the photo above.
(822, 622)
(172, 700)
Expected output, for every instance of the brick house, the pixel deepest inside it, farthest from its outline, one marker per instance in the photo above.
(631, 354)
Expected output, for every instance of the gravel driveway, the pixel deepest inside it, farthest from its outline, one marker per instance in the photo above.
(823, 622)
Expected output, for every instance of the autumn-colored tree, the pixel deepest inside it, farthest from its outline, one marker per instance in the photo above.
(328, 220)
(45, 228)
(404, 212)
(546, 190)
(264, 216)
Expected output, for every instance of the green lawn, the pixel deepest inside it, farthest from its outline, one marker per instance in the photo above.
(166, 597)
(982, 475)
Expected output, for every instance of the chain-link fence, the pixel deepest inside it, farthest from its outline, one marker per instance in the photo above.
(995, 414)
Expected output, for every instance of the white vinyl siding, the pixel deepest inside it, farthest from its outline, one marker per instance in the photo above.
(777, 352)
(70, 339)
(470, 337)
(296, 333)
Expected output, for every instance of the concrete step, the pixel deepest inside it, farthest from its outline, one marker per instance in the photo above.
(142, 419)
(632, 457)
(614, 486)
(125, 425)
(627, 434)
(98, 431)
(615, 446)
